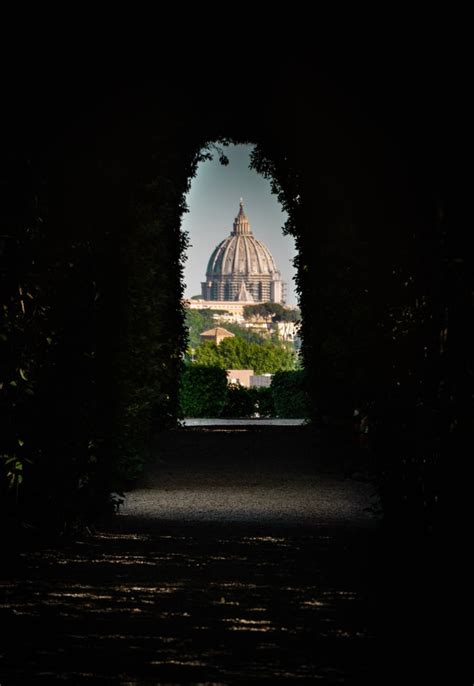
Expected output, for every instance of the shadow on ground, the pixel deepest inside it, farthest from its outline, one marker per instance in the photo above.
(237, 560)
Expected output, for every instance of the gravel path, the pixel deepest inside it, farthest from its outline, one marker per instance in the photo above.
(246, 477)
(237, 560)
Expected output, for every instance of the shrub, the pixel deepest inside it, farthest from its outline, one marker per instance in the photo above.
(203, 391)
(240, 401)
(290, 395)
(265, 404)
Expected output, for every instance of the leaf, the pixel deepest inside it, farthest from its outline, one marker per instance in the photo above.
(10, 460)
(21, 442)
(23, 375)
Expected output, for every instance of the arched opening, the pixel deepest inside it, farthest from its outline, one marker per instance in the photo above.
(239, 298)
(117, 197)
(94, 329)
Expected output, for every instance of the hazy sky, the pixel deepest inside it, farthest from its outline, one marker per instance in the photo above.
(213, 203)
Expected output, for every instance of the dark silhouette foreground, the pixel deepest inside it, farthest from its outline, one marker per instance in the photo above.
(205, 594)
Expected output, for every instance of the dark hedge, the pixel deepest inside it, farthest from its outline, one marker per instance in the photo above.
(203, 391)
(290, 395)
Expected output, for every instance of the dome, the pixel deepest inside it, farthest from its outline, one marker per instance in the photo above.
(240, 253)
(242, 268)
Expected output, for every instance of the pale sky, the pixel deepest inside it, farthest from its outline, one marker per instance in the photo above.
(213, 204)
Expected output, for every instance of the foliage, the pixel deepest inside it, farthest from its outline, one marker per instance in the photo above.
(265, 403)
(287, 315)
(49, 306)
(290, 395)
(375, 319)
(240, 402)
(235, 353)
(270, 311)
(145, 402)
(384, 278)
(248, 402)
(198, 321)
(246, 334)
(202, 391)
(203, 394)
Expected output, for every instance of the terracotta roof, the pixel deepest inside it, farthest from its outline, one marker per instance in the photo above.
(217, 331)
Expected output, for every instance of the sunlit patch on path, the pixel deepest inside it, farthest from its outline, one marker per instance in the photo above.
(247, 476)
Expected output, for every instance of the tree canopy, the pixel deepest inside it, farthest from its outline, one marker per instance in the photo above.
(236, 353)
(271, 311)
(198, 321)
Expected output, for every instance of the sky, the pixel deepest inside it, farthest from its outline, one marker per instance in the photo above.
(213, 203)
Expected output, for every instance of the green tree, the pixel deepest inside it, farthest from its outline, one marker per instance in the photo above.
(242, 332)
(236, 353)
(208, 355)
(272, 311)
(261, 310)
(197, 321)
(287, 315)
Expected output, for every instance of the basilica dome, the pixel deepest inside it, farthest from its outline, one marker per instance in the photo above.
(242, 268)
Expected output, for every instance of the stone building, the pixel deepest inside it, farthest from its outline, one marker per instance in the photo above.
(241, 269)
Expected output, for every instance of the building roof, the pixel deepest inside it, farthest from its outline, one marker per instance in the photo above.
(217, 331)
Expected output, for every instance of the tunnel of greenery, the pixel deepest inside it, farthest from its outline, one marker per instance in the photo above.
(93, 331)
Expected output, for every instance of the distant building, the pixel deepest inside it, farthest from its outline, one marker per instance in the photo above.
(240, 376)
(246, 377)
(261, 380)
(287, 331)
(231, 307)
(241, 270)
(217, 335)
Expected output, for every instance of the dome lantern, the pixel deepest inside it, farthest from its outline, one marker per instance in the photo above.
(241, 223)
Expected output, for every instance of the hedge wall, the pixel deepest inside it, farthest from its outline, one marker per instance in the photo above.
(290, 395)
(203, 391)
